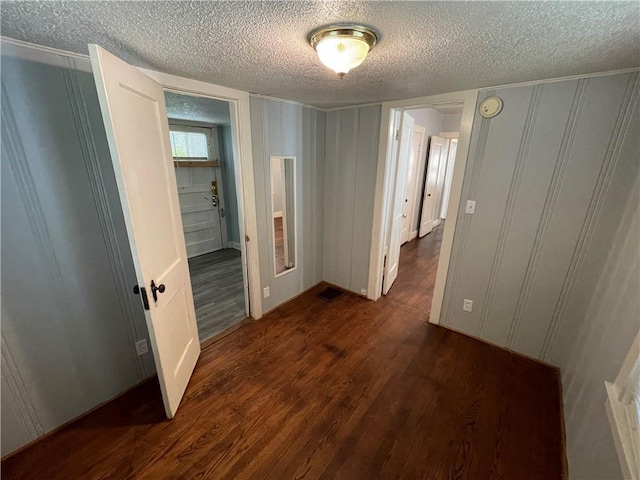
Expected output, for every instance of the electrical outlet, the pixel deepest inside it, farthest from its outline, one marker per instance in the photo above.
(363, 292)
(467, 305)
(266, 292)
(142, 347)
(471, 207)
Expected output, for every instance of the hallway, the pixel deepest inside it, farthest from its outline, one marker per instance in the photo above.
(218, 291)
(417, 271)
(350, 390)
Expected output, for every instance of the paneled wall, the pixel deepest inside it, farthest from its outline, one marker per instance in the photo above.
(284, 129)
(550, 257)
(69, 317)
(349, 187)
(602, 316)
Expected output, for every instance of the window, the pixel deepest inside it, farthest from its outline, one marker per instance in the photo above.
(190, 143)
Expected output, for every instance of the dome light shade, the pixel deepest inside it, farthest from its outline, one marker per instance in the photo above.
(342, 47)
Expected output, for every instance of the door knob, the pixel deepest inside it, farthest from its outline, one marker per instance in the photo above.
(155, 289)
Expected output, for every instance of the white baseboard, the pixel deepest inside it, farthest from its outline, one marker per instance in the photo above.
(235, 245)
(413, 235)
(277, 214)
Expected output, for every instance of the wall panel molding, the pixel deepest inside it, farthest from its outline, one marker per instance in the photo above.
(457, 257)
(595, 205)
(548, 209)
(19, 165)
(14, 382)
(514, 189)
(105, 216)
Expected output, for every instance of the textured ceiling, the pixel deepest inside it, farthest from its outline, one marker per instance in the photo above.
(425, 48)
(197, 109)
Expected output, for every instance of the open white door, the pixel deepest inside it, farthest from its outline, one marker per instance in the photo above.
(135, 119)
(451, 160)
(408, 184)
(397, 222)
(429, 216)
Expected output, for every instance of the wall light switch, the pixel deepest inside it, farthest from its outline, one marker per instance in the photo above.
(467, 305)
(471, 207)
(142, 347)
(266, 292)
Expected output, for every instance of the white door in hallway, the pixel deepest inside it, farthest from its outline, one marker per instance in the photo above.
(397, 213)
(429, 217)
(413, 182)
(451, 160)
(135, 119)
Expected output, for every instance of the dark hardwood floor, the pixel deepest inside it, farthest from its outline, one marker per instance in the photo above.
(218, 291)
(346, 390)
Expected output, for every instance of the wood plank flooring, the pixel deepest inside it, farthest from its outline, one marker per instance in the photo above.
(218, 291)
(345, 390)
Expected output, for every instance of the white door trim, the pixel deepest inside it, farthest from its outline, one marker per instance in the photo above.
(243, 163)
(383, 195)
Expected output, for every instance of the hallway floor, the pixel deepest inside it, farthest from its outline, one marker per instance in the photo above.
(353, 390)
(218, 291)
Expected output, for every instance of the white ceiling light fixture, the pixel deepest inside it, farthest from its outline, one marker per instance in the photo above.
(342, 47)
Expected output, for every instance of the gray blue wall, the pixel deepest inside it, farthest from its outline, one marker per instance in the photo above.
(602, 315)
(351, 159)
(284, 129)
(229, 184)
(69, 317)
(549, 257)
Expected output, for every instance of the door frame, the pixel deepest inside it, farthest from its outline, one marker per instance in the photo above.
(244, 176)
(385, 181)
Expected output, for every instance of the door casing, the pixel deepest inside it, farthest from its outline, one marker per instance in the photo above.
(244, 176)
(385, 178)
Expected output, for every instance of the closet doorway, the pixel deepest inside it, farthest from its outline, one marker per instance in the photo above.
(200, 136)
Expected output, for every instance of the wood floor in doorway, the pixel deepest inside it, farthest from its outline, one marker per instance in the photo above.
(218, 292)
(351, 390)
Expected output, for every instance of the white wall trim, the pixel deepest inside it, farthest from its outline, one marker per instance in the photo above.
(383, 196)
(284, 100)
(623, 423)
(449, 134)
(235, 245)
(46, 55)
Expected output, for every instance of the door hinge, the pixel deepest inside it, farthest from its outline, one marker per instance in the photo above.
(397, 134)
(143, 293)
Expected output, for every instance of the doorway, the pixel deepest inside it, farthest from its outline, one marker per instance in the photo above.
(200, 138)
(425, 146)
(422, 155)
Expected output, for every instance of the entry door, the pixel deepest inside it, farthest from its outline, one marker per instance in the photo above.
(429, 216)
(398, 215)
(200, 195)
(135, 118)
